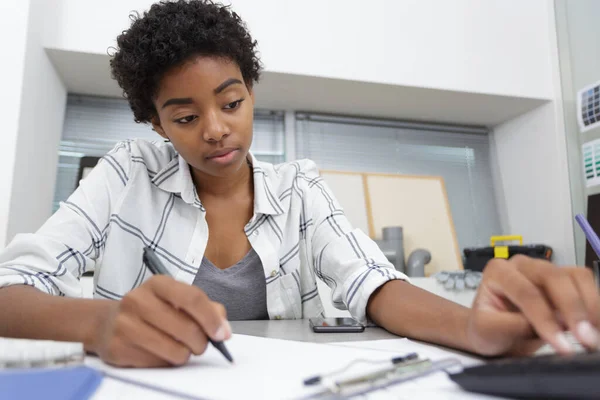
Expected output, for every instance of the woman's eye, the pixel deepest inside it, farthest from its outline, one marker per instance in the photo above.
(234, 104)
(185, 120)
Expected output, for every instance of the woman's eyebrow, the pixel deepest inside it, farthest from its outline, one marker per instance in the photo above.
(178, 101)
(226, 84)
(188, 100)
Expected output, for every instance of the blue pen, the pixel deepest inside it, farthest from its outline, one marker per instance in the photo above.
(591, 236)
(157, 268)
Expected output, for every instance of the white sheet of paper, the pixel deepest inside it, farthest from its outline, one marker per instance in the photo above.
(111, 389)
(264, 368)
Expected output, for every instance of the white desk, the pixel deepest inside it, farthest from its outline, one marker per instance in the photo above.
(300, 331)
(297, 330)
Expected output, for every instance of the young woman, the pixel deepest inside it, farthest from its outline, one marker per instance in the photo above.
(242, 238)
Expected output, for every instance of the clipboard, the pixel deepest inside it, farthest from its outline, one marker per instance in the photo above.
(373, 376)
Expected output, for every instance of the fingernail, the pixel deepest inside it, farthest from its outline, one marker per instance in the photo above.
(588, 334)
(563, 343)
(223, 332)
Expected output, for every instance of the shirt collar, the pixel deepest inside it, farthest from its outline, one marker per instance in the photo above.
(265, 179)
(176, 178)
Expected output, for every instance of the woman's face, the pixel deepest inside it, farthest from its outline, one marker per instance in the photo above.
(206, 111)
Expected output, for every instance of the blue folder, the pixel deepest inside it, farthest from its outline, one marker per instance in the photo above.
(66, 383)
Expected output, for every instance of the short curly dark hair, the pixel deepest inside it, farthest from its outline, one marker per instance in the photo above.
(170, 33)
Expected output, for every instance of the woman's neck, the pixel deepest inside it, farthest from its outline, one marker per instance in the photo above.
(224, 186)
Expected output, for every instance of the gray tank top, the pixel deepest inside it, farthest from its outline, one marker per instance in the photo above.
(241, 288)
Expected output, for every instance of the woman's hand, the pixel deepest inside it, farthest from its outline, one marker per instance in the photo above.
(523, 302)
(160, 323)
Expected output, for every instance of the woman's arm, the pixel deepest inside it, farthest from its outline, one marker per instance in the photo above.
(72, 239)
(346, 259)
(28, 313)
(410, 311)
(521, 304)
(39, 286)
(160, 323)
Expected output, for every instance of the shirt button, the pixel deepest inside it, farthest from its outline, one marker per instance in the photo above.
(255, 233)
(273, 273)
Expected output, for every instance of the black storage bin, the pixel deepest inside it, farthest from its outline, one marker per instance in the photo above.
(476, 258)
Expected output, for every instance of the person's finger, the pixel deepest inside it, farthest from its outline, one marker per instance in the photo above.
(505, 280)
(526, 347)
(560, 289)
(129, 356)
(136, 332)
(587, 332)
(140, 358)
(209, 315)
(171, 321)
(585, 283)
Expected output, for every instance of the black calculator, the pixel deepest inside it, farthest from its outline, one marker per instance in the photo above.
(575, 376)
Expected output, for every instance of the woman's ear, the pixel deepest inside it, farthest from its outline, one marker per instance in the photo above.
(157, 127)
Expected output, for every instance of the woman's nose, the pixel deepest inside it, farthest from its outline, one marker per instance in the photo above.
(214, 129)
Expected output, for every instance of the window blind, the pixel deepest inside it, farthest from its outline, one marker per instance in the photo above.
(458, 154)
(93, 125)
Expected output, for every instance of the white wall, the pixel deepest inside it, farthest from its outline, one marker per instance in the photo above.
(43, 100)
(11, 81)
(492, 46)
(531, 169)
(534, 181)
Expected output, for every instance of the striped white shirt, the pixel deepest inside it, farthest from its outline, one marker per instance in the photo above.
(142, 194)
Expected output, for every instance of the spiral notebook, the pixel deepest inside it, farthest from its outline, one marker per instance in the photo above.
(25, 353)
(45, 369)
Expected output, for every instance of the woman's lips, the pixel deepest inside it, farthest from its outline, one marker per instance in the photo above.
(223, 157)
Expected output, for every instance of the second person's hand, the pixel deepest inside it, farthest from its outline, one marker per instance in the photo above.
(161, 323)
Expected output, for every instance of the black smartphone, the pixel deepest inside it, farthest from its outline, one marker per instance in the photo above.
(337, 325)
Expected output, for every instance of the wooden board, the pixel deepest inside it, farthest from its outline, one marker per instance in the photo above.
(420, 205)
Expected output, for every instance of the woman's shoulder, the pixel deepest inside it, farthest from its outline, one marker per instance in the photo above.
(154, 155)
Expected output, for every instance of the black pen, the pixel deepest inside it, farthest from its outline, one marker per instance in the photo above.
(157, 268)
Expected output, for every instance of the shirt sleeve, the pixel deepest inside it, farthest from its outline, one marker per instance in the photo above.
(346, 259)
(71, 241)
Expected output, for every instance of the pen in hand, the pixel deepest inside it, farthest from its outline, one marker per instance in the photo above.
(157, 268)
